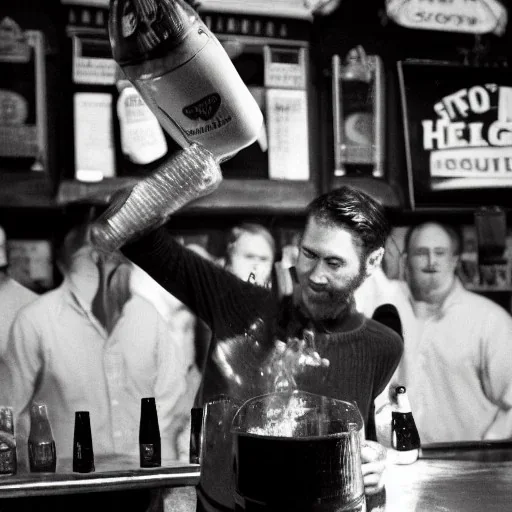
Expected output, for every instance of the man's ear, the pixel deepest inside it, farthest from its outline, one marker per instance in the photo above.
(374, 260)
(403, 266)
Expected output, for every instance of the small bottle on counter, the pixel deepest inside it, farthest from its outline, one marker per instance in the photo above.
(404, 434)
(8, 459)
(149, 435)
(83, 453)
(41, 445)
(196, 435)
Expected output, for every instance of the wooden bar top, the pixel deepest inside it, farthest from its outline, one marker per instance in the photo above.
(457, 484)
(115, 473)
(431, 485)
(445, 479)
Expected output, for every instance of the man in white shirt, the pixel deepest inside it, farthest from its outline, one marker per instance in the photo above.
(458, 345)
(69, 352)
(13, 295)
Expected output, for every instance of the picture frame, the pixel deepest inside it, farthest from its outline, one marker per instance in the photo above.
(457, 122)
(23, 105)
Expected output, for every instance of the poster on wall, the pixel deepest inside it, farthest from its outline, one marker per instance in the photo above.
(22, 95)
(458, 133)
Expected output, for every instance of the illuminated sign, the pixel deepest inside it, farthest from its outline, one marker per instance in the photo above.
(472, 16)
(458, 129)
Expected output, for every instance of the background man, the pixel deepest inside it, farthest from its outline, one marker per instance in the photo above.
(250, 249)
(343, 242)
(13, 296)
(92, 344)
(458, 345)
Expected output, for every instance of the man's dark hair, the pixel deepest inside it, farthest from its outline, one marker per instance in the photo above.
(453, 232)
(356, 211)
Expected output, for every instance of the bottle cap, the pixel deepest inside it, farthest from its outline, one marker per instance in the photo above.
(140, 27)
(402, 399)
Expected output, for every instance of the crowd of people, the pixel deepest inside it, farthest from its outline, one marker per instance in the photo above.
(164, 320)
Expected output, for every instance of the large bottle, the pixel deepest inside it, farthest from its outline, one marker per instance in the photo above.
(404, 434)
(41, 445)
(184, 75)
(189, 82)
(149, 435)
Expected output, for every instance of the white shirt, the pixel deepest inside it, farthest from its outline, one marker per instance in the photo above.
(377, 289)
(457, 367)
(13, 296)
(59, 354)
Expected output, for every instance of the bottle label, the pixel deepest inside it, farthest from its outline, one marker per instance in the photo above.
(203, 109)
(202, 101)
(147, 451)
(7, 460)
(42, 456)
(142, 138)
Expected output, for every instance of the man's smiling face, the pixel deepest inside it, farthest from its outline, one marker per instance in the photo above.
(431, 261)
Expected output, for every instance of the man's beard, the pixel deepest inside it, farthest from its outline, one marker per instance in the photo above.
(333, 301)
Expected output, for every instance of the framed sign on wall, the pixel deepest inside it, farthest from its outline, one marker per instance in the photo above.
(458, 133)
(23, 120)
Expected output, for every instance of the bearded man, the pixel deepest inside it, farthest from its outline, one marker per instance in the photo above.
(342, 243)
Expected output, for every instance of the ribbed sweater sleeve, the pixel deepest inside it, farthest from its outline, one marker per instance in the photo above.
(362, 362)
(222, 300)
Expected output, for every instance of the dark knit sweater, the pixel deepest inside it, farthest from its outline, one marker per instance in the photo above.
(363, 354)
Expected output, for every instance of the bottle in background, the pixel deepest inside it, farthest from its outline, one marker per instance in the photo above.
(184, 75)
(41, 445)
(405, 436)
(83, 454)
(8, 459)
(149, 435)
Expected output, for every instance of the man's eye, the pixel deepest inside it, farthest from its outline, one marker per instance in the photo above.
(308, 254)
(334, 264)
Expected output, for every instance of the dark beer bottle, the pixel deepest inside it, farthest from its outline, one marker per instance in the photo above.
(83, 454)
(8, 459)
(149, 435)
(41, 445)
(404, 434)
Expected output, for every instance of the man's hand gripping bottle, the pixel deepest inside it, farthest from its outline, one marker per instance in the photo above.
(189, 82)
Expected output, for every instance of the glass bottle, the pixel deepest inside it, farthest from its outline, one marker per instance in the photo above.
(41, 445)
(8, 459)
(83, 453)
(184, 75)
(149, 435)
(404, 434)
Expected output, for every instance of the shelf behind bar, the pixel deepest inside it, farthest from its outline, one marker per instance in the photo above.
(114, 473)
(272, 196)
(26, 189)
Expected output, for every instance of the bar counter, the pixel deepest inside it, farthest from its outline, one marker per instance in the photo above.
(427, 486)
(471, 477)
(116, 473)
